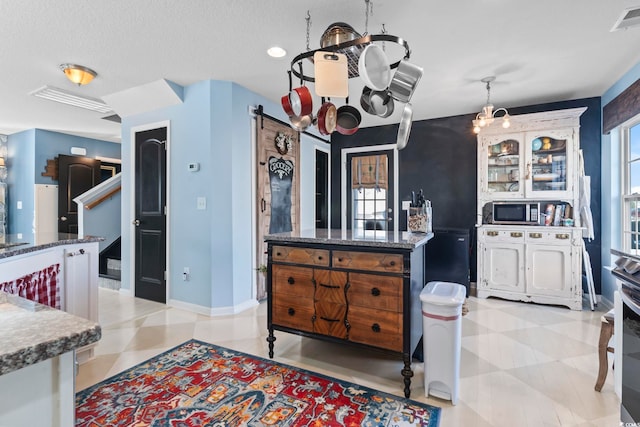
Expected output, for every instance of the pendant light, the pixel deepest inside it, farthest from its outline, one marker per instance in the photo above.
(487, 115)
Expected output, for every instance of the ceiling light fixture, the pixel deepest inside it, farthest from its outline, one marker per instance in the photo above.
(65, 97)
(276, 52)
(78, 74)
(487, 115)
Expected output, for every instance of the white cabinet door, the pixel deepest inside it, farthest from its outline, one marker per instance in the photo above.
(81, 279)
(501, 166)
(550, 167)
(502, 267)
(549, 270)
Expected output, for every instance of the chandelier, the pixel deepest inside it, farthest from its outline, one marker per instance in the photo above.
(488, 115)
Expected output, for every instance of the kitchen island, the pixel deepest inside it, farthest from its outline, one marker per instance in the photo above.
(37, 363)
(55, 269)
(361, 290)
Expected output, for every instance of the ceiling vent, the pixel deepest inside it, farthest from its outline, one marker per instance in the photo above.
(65, 97)
(113, 118)
(629, 18)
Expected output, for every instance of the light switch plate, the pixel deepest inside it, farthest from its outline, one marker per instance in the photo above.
(406, 204)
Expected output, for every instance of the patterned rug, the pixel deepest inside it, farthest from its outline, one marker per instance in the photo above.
(200, 384)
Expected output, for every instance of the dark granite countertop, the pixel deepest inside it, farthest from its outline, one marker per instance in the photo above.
(32, 332)
(10, 245)
(372, 238)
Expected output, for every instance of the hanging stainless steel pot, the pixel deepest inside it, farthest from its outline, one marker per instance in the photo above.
(404, 127)
(381, 103)
(302, 123)
(404, 81)
(374, 68)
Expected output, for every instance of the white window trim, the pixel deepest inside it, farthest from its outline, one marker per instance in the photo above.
(626, 196)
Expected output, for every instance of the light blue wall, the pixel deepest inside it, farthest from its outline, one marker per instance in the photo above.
(612, 186)
(212, 127)
(28, 154)
(21, 169)
(104, 220)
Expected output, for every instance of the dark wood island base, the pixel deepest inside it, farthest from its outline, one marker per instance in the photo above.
(361, 291)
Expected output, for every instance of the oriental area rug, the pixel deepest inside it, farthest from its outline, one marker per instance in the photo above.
(200, 384)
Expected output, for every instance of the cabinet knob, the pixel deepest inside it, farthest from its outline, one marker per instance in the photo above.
(492, 233)
(516, 234)
(291, 280)
(339, 259)
(375, 292)
(320, 258)
(375, 327)
(278, 253)
(392, 263)
(562, 236)
(535, 235)
(291, 311)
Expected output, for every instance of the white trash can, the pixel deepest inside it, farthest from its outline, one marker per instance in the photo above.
(441, 332)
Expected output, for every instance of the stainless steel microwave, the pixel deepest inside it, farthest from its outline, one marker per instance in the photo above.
(526, 213)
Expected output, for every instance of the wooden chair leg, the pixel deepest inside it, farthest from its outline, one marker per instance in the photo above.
(606, 331)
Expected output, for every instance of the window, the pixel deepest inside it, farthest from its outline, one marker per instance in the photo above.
(631, 187)
(369, 175)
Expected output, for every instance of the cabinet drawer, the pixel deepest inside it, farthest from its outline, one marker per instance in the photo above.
(330, 319)
(375, 292)
(293, 312)
(508, 236)
(557, 237)
(391, 263)
(330, 286)
(310, 256)
(375, 327)
(297, 281)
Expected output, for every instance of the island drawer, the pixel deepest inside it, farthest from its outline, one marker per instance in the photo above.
(297, 281)
(391, 263)
(330, 319)
(293, 312)
(376, 327)
(376, 292)
(309, 256)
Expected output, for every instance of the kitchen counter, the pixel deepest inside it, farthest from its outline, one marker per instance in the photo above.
(32, 332)
(10, 245)
(379, 239)
(37, 362)
(359, 290)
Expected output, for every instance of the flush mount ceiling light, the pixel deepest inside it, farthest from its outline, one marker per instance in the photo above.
(78, 74)
(276, 52)
(59, 95)
(487, 115)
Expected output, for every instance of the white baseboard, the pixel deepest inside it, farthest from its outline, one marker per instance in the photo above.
(126, 292)
(215, 311)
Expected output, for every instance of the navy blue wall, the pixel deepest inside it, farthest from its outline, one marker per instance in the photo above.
(441, 158)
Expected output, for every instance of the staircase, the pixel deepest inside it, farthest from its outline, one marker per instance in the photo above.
(109, 261)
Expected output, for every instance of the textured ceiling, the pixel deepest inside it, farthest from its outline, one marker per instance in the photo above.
(540, 51)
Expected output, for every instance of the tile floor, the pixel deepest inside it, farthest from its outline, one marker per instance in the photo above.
(521, 364)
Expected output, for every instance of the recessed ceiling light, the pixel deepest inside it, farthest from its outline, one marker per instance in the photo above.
(276, 52)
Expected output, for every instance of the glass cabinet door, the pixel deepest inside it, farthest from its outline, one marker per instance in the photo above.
(504, 167)
(548, 164)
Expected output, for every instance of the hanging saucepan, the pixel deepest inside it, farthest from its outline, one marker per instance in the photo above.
(404, 127)
(374, 68)
(376, 102)
(300, 98)
(348, 119)
(286, 100)
(404, 81)
(327, 115)
(302, 123)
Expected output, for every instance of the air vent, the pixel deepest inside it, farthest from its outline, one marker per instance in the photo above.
(629, 18)
(65, 97)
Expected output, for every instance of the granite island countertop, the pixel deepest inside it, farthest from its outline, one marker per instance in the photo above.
(10, 245)
(370, 238)
(32, 332)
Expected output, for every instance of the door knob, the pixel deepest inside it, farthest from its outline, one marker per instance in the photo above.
(63, 218)
(136, 222)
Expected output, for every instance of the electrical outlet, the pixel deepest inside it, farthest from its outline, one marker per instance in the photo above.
(186, 274)
(19, 204)
(201, 203)
(406, 204)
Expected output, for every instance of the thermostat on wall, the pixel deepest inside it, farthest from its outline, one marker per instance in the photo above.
(79, 151)
(194, 167)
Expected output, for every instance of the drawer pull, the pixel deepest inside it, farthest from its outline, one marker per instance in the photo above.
(492, 233)
(278, 253)
(329, 320)
(375, 292)
(375, 327)
(330, 286)
(392, 263)
(291, 311)
(516, 234)
(562, 236)
(535, 235)
(320, 258)
(291, 280)
(339, 259)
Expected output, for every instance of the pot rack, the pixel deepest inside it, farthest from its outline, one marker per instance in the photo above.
(346, 49)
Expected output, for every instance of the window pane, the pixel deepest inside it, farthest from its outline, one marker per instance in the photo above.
(634, 143)
(634, 177)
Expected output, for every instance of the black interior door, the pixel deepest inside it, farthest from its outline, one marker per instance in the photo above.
(150, 215)
(76, 175)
